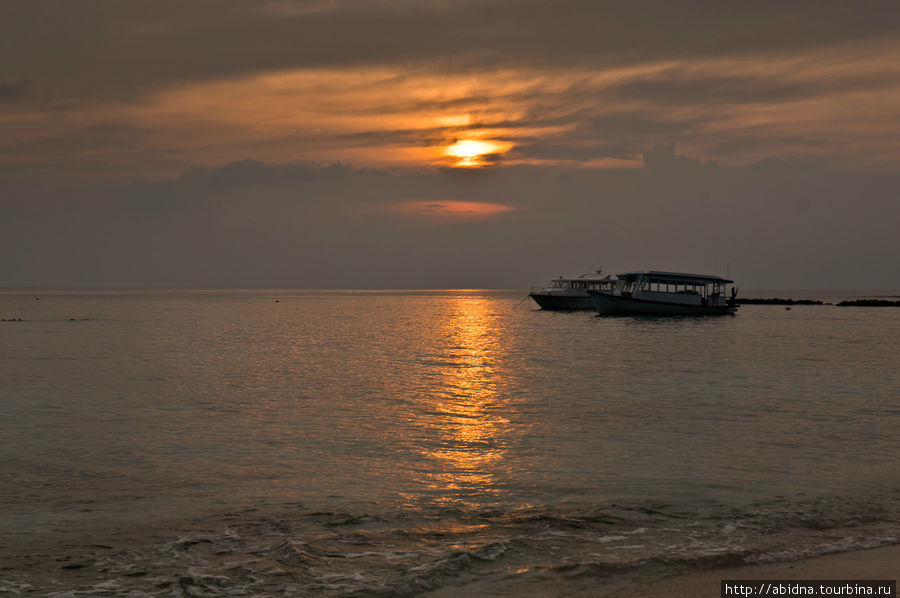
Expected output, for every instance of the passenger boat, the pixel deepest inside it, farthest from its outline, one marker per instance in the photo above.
(665, 293)
(571, 293)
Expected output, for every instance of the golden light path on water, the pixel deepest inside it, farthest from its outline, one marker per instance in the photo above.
(469, 420)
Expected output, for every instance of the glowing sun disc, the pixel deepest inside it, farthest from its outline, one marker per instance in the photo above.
(471, 148)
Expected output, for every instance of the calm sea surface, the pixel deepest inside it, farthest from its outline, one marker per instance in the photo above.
(396, 443)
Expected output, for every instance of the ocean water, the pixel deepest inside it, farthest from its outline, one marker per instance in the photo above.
(444, 443)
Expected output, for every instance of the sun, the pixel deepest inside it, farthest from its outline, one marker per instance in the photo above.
(472, 153)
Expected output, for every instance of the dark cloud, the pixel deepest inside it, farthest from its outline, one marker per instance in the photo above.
(779, 223)
(105, 47)
(12, 91)
(88, 139)
(572, 150)
(395, 137)
(680, 86)
(270, 186)
(620, 136)
(663, 158)
(765, 143)
(253, 172)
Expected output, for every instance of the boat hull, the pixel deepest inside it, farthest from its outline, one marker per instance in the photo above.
(562, 302)
(616, 305)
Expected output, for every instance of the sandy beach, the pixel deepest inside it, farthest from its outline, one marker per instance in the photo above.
(875, 564)
(878, 563)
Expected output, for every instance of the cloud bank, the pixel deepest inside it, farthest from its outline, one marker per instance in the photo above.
(304, 144)
(249, 224)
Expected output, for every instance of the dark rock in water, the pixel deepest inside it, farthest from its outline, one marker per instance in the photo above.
(776, 301)
(870, 303)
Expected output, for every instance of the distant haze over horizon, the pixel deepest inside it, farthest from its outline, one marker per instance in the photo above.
(334, 144)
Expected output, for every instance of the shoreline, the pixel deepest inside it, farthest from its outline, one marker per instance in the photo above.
(882, 563)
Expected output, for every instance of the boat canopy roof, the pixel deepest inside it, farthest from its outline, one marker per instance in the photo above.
(673, 277)
(589, 277)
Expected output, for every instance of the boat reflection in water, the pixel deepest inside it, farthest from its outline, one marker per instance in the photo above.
(466, 417)
(666, 293)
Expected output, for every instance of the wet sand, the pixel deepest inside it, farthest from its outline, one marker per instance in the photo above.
(875, 564)
(878, 563)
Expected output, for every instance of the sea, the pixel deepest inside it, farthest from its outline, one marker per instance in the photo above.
(431, 443)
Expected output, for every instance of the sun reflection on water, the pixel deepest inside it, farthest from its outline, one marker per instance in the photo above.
(467, 418)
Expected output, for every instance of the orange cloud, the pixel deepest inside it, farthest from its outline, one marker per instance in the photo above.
(450, 210)
(827, 103)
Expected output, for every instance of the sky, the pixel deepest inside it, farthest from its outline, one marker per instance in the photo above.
(447, 144)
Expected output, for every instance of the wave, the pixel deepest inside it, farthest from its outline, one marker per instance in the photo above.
(294, 550)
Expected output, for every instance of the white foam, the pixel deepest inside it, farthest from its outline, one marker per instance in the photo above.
(810, 551)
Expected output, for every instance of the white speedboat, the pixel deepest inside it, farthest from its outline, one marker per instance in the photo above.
(571, 293)
(665, 293)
